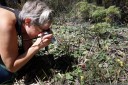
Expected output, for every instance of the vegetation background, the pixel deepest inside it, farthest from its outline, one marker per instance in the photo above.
(91, 45)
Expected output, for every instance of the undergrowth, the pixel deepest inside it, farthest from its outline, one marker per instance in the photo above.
(90, 48)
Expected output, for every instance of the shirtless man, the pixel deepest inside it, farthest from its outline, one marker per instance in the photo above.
(31, 22)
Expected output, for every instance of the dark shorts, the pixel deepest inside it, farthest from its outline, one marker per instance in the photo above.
(5, 75)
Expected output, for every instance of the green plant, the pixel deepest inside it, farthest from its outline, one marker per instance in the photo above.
(99, 14)
(100, 28)
(112, 14)
(80, 10)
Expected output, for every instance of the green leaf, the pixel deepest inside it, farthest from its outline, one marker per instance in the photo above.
(68, 76)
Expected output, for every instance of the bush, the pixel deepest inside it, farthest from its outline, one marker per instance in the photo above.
(80, 10)
(100, 28)
(99, 14)
(112, 14)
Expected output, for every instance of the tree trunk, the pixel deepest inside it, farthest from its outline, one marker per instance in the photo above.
(99, 2)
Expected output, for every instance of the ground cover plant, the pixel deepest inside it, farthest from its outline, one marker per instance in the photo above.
(91, 48)
(85, 56)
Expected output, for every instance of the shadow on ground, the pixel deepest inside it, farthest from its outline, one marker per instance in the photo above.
(44, 67)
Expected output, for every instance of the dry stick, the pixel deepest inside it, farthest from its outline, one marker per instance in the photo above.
(38, 81)
(90, 49)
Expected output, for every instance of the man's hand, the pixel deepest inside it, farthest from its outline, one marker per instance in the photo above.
(43, 40)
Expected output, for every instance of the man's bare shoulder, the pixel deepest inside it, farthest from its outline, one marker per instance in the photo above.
(7, 17)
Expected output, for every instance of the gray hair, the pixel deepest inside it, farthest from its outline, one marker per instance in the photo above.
(37, 11)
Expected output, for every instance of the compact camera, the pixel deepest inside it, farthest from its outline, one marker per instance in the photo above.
(50, 32)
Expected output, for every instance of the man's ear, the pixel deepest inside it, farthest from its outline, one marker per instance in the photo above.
(27, 21)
